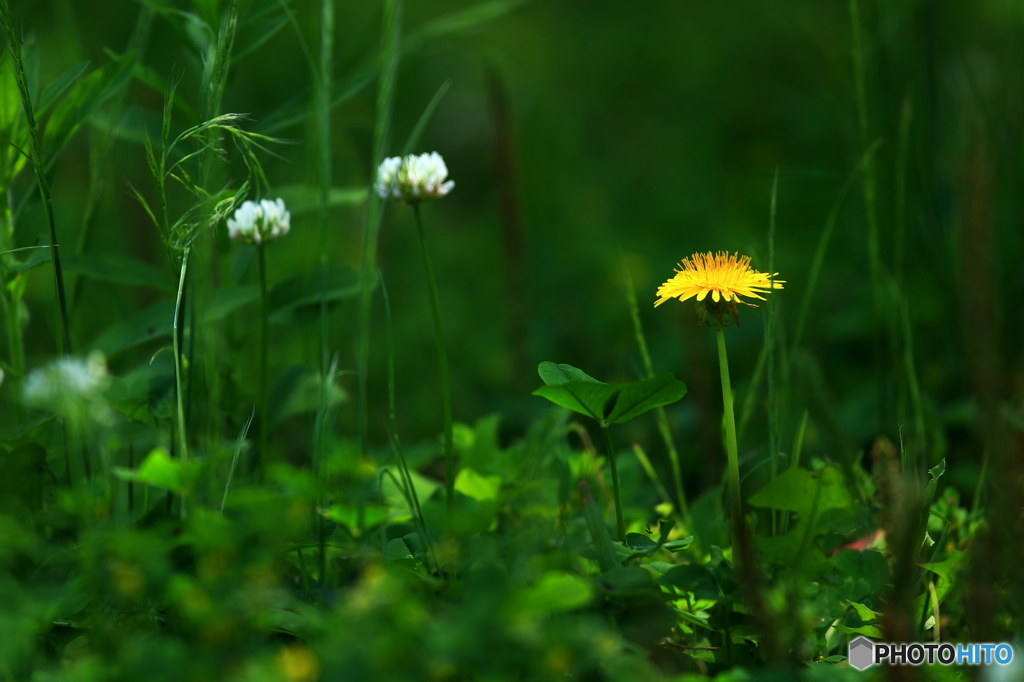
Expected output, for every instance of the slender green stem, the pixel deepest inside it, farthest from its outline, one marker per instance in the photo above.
(771, 339)
(731, 450)
(620, 521)
(442, 361)
(17, 350)
(178, 379)
(389, 55)
(264, 364)
(9, 308)
(323, 113)
(36, 155)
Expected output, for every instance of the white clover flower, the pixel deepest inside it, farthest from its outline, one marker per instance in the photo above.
(256, 223)
(413, 178)
(71, 386)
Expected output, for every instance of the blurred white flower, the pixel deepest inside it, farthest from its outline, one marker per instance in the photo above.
(413, 178)
(71, 386)
(257, 223)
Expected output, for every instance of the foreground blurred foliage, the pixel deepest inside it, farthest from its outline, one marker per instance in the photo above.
(147, 532)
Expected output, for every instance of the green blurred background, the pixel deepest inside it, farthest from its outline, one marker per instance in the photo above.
(585, 135)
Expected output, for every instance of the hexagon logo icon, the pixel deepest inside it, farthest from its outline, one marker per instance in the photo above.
(861, 653)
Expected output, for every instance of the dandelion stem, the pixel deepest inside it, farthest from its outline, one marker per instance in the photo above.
(442, 361)
(733, 471)
(264, 371)
(620, 522)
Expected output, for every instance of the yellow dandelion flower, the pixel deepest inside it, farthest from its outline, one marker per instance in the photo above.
(726, 277)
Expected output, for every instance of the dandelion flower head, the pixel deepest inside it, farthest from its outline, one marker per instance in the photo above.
(413, 178)
(259, 222)
(726, 277)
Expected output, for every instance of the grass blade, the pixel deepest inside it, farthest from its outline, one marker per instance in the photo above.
(389, 56)
(234, 458)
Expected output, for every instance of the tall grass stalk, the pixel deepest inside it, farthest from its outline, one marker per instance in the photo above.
(204, 339)
(442, 363)
(36, 158)
(823, 241)
(407, 486)
(906, 114)
(659, 412)
(102, 146)
(234, 458)
(731, 448)
(389, 56)
(770, 343)
(325, 178)
(620, 522)
(178, 378)
(919, 449)
(874, 255)
(323, 119)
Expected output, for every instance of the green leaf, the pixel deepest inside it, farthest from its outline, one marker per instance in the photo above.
(300, 391)
(864, 573)
(641, 542)
(866, 615)
(84, 98)
(160, 471)
(472, 484)
(626, 581)
(793, 551)
(946, 572)
(585, 397)
(866, 630)
(227, 300)
(557, 592)
(799, 490)
(599, 535)
(136, 409)
(553, 374)
(118, 269)
(678, 545)
(297, 109)
(303, 290)
(417, 130)
(641, 396)
(573, 388)
(398, 552)
(695, 578)
(36, 257)
(16, 431)
(150, 323)
(253, 33)
(57, 87)
(456, 22)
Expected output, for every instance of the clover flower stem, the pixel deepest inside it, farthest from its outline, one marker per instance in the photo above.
(183, 443)
(620, 521)
(731, 450)
(264, 371)
(442, 361)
